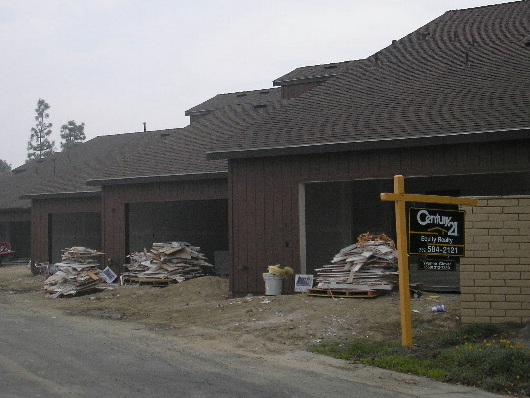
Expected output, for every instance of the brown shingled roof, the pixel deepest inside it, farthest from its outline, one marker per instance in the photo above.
(141, 157)
(66, 172)
(183, 152)
(162, 155)
(254, 97)
(316, 72)
(464, 74)
(10, 190)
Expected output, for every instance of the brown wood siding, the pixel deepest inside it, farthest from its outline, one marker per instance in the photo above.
(40, 211)
(116, 197)
(264, 216)
(196, 117)
(296, 90)
(264, 219)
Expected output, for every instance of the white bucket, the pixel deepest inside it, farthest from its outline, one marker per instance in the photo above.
(273, 284)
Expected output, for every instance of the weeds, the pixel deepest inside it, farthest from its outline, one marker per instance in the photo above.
(473, 332)
(481, 355)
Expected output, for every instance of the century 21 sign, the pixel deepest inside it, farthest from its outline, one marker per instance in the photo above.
(436, 232)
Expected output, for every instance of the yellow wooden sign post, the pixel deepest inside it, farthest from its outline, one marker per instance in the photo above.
(399, 197)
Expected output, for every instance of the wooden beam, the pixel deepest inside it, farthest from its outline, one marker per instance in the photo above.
(449, 200)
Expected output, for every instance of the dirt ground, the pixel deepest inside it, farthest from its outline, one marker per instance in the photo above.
(201, 310)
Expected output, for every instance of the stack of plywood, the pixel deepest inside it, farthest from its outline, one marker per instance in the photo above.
(167, 262)
(370, 264)
(77, 272)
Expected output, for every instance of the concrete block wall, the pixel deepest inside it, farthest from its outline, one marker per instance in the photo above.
(495, 273)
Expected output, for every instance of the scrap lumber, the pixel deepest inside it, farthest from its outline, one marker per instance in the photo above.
(171, 261)
(366, 266)
(341, 293)
(77, 272)
(80, 255)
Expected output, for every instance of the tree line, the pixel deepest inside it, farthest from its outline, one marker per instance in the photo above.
(40, 145)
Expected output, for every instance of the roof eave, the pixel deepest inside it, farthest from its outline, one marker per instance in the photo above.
(311, 79)
(198, 112)
(367, 145)
(158, 178)
(13, 209)
(61, 195)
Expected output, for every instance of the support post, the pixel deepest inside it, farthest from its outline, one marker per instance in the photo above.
(403, 262)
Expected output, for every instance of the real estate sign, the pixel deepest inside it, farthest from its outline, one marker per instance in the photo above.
(436, 232)
(424, 226)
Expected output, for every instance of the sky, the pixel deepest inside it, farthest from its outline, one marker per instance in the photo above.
(116, 64)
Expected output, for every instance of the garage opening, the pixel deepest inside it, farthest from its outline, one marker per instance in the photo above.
(73, 229)
(18, 234)
(20, 238)
(337, 212)
(333, 214)
(202, 223)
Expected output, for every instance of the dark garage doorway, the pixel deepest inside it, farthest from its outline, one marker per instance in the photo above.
(337, 212)
(333, 214)
(201, 223)
(73, 229)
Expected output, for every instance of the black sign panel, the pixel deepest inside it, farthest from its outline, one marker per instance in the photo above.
(436, 232)
(436, 265)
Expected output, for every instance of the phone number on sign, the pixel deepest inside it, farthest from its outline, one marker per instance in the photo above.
(443, 250)
(438, 267)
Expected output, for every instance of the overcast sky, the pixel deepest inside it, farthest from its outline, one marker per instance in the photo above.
(114, 64)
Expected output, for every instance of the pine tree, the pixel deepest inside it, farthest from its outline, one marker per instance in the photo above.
(72, 134)
(5, 168)
(39, 145)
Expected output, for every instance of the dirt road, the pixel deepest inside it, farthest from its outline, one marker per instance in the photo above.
(192, 338)
(201, 308)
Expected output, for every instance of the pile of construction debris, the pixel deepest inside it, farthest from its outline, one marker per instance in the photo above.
(366, 266)
(170, 262)
(77, 272)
